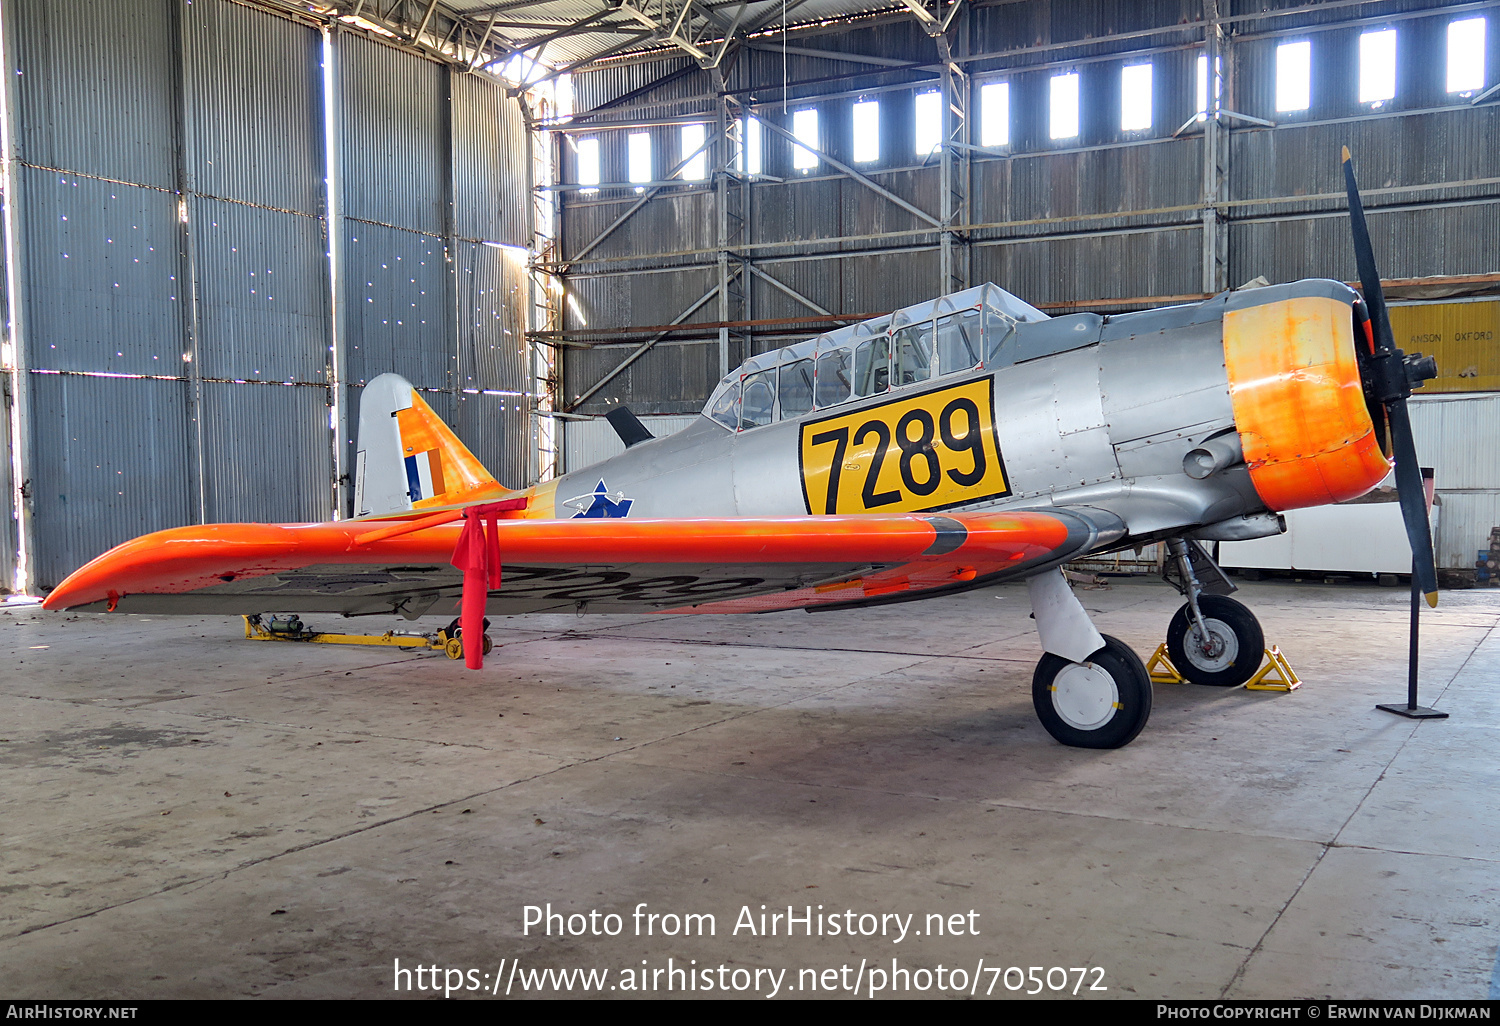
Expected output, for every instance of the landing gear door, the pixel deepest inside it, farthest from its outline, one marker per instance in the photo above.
(1211, 579)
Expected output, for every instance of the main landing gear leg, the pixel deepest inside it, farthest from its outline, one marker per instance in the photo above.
(1212, 639)
(1089, 689)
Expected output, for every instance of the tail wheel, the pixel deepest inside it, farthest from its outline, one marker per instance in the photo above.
(1101, 703)
(1230, 654)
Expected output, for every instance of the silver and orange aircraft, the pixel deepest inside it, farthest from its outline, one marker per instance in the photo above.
(953, 444)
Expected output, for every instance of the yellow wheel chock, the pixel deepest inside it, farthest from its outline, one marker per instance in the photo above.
(1276, 675)
(1161, 670)
(258, 628)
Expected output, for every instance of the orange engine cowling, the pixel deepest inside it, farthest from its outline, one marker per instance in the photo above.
(1299, 404)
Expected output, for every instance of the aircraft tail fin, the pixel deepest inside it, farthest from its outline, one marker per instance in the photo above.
(408, 459)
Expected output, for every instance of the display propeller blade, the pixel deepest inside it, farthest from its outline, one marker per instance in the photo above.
(1392, 385)
(1364, 257)
(1413, 501)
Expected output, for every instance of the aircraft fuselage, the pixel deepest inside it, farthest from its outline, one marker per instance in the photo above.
(1078, 410)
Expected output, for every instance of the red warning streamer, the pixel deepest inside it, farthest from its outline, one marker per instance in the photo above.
(477, 554)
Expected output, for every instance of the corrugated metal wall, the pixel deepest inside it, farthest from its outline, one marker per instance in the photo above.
(1107, 215)
(586, 442)
(173, 233)
(105, 271)
(1459, 437)
(256, 219)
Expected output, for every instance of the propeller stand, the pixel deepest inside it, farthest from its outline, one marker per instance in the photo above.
(1388, 376)
(1411, 710)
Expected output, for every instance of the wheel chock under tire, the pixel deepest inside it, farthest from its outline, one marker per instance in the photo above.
(1276, 675)
(1160, 668)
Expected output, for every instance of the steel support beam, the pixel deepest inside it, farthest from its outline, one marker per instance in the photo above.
(640, 351)
(18, 574)
(567, 30)
(861, 179)
(187, 235)
(638, 204)
(425, 19)
(838, 55)
(782, 286)
(731, 199)
(954, 158)
(671, 35)
(584, 62)
(1215, 153)
(627, 97)
(338, 363)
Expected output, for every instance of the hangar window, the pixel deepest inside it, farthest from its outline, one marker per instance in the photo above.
(1202, 76)
(755, 142)
(1135, 97)
(994, 114)
(747, 154)
(805, 128)
(1377, 67)
(638, 154)
(833, 377)
(693, 137)
(760, 399)
(929, 122)
(588, 164)
(1063, 123)
(1466, 55)
(958, 342)
(796, 389)
(872, 366)
(866, 131)
(1294, 76)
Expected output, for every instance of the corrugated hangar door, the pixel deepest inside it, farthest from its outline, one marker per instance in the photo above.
(434, 280)
(103, 267)
(173, 275)
(176, 272)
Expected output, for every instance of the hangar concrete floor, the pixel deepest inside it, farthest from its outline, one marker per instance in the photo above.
(188, 814)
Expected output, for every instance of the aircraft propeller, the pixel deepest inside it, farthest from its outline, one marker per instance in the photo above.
(1388, 376)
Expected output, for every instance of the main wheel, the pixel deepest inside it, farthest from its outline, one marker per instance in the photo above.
(1230, 654)
(1101, 703)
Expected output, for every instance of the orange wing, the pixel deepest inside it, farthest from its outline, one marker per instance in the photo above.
(719, 565)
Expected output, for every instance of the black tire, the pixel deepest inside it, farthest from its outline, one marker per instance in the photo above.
(1106, 711)
(1237, 643)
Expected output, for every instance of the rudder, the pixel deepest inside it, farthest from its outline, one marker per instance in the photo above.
(407, 458)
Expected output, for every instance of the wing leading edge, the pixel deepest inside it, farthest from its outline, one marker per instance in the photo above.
(720, 565)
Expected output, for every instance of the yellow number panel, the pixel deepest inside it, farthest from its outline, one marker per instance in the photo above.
(933, 450)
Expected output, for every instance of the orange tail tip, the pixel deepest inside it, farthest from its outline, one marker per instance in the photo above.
(408, 458)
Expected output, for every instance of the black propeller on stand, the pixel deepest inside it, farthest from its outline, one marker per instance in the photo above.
(1389, 375)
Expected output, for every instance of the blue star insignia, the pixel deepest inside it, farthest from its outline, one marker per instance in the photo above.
(600, 504)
